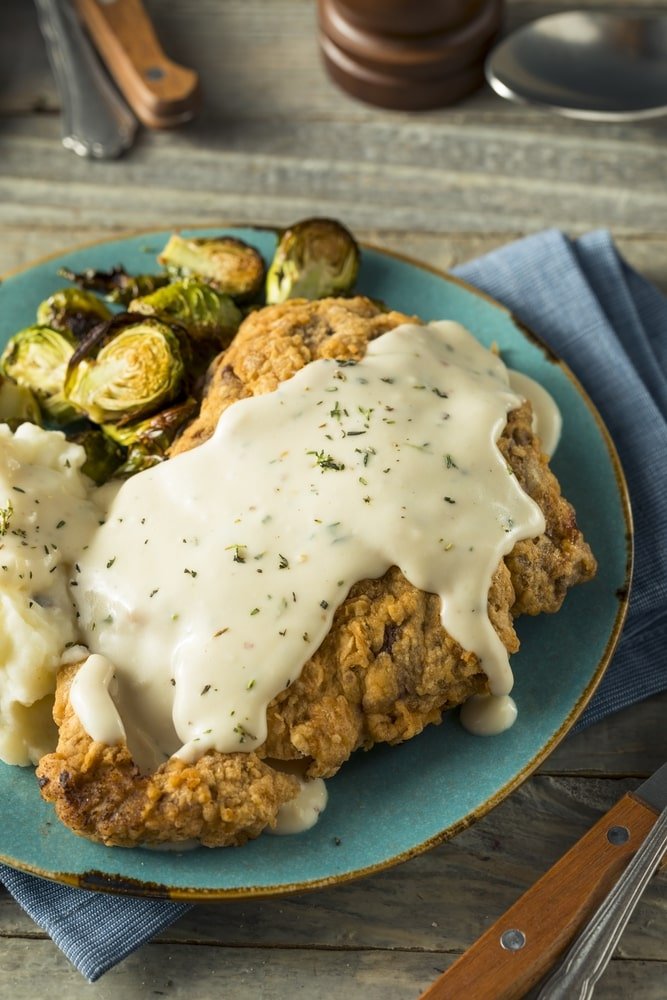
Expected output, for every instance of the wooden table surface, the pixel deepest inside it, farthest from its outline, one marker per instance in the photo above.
(276, 141)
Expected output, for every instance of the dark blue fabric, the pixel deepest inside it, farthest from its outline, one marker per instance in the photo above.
(610, 326)
(94, 930)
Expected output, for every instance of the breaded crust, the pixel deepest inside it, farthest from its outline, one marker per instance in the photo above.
(274, 343)
(387, 667)
(98, 791)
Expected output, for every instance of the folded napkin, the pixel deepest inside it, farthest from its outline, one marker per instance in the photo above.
(610, 326)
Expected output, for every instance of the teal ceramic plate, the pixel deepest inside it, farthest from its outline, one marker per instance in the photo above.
(390, 803)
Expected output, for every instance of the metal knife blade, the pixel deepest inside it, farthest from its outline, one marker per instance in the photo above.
(653, 792)
(96, 121)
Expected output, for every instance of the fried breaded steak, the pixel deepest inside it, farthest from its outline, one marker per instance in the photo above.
(387, 667)
(274, 343)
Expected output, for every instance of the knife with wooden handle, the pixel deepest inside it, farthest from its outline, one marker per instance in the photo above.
(96, 122)
(160, 92)
(523, 945)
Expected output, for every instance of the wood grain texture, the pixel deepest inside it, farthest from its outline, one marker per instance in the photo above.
(276, 141)
(191, 972)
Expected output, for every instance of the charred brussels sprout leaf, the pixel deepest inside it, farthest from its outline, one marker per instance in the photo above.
(154, 433)
(313, 259)
(18, 404)
(116, 285)
(72, 310)
(205, 313)
(229, 265)
(103, 456)
(148, 440)
(37, 358)
(125, 369)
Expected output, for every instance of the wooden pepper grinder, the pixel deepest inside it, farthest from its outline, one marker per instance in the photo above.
(408, 54)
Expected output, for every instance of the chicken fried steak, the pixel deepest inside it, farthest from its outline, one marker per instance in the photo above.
(387, 667)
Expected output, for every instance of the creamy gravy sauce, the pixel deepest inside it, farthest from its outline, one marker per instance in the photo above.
(487, 714)
(302, 812)
(217, 574)
(547, 419)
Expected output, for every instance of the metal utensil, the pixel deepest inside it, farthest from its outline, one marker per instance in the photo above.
(523, 944)
(583, 64)
(96, 122)
(590, 955)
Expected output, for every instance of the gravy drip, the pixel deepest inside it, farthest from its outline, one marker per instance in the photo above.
(217, 574)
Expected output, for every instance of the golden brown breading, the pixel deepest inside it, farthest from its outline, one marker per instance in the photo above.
(387, 667)
(274, 343)
(98, 792)
(542, 569)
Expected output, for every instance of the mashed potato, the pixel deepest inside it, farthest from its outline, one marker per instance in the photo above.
(48, 510)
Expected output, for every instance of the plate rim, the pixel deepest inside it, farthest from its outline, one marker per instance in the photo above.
(98, 881)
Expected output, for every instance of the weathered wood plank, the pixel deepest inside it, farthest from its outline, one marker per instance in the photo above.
(184, 972)
(633, 741)
(41, 185)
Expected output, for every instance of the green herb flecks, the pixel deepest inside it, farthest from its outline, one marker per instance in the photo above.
(326, 461)
(6, 517)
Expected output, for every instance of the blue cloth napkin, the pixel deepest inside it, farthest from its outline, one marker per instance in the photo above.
(610, 326)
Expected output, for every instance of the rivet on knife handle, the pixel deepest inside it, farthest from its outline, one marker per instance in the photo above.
(525, 943)
(160, 92)
(590, 955)
(96, 121)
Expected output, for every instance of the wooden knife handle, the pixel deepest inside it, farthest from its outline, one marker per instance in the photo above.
(549, 915)
(160, 92)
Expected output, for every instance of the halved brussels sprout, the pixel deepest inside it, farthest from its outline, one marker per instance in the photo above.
(148, 440)
(137, 460)
(18, 404)
(116, 285)
(313, 259)
(103, 456)
(154, 433)
(73, 310)
(125, 369)
(205, 313)
(37, 358)
(228, 264)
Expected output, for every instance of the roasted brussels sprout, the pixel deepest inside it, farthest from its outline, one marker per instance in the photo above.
(228, 264)
(206, 314)
(18, 404)
(137, 460)
(37, 358)
(116, 285)
(103, 456)
(72, 310)
(154, 433)
(148, 440)
(313, 259)
(125, 369)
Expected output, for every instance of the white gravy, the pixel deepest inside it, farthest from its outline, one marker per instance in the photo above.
(487, 714)
(217, 573)
(303, 812)
(547, 419)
